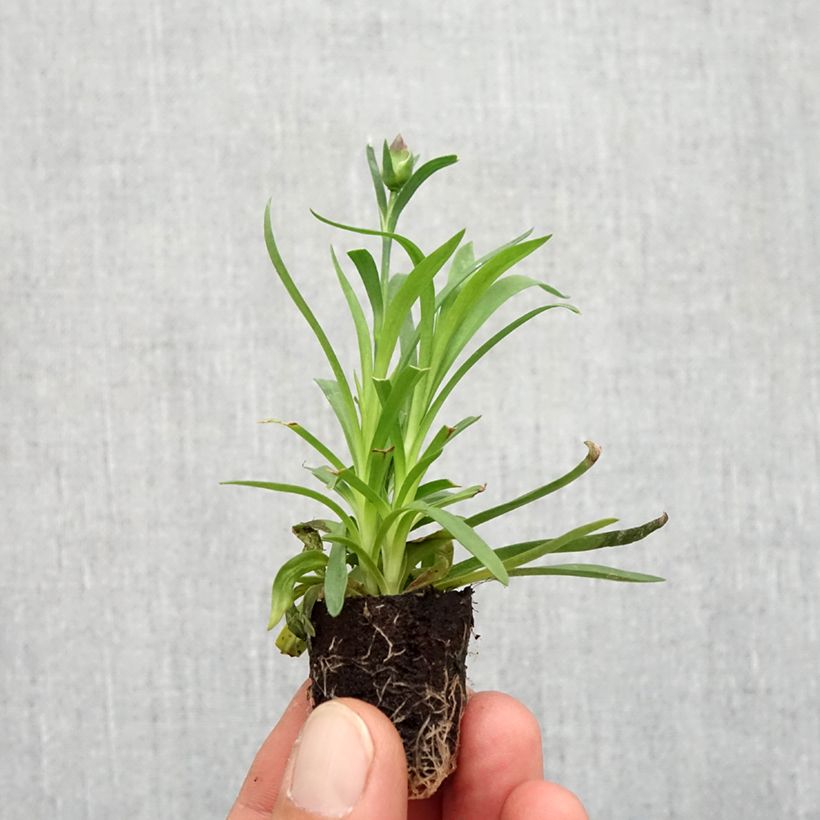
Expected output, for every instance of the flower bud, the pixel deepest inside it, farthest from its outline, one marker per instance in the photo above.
(397, 164)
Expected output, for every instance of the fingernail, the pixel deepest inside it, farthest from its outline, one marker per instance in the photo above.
(331, 760)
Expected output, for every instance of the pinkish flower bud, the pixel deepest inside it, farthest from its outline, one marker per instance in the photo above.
(397, 164)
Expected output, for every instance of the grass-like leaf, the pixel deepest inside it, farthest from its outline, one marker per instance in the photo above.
(492, 299)
(297, 489)
(467, 537)
(468, 265)
(482, 278)
(447, 499)
(411, 249)
(432, 487)
(282, 594)
(369, 274)
(399, 307)
(349, 477)
(311, 439)
(434, 449)
(473, 359)
(365, 561)
(396, 400)
(469, 296)
(617, 538)
(336, 579)
(376, 176)
(593, 451)
(419, 176)
(602, 540)
(463, 266)
(359, 320)
(590, 571)
(469, 572)
(304, 309)
(344, 411)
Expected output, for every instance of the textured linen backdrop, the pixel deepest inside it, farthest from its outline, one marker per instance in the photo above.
(672, 150)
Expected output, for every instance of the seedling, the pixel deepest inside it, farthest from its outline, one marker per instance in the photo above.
(392, 526)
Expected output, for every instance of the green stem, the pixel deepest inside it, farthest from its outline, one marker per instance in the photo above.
(388, 225)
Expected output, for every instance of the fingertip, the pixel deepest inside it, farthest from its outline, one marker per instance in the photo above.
(500, 747)
(539, 798)
(348, 761)
(386, 740)
(503, 721)
(261, 785)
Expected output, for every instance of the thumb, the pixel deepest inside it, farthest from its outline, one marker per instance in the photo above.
(348, 761)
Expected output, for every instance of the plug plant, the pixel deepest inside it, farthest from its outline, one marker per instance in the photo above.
(391, 524)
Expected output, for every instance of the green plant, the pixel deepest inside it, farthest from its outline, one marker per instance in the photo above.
(413, 351)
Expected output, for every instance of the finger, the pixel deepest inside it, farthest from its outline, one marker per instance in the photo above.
(500, 749)
(427, 809)
(541, 799)
(258, 792)
(347, 762)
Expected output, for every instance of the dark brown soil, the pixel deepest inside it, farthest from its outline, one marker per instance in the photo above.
(406, 655)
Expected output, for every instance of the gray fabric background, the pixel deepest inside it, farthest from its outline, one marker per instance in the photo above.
(672, 150)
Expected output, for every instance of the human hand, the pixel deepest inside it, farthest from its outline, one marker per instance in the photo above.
(349, 762)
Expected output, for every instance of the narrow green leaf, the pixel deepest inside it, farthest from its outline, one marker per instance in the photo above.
(326, 475)
(387, 162)
(434, 565)
(421, 550)
(350, 477)
(446, 499)
(467, 572)
(413, 251)
(401, 304)
(590, 571)
(485, 306)
(475, 287)
(616, 538)
(390, 520)
(467, 537)
(282, 595)
(434, 449)
(514, 241)
(336, 579)
(378, 185)
(332, 480)
(344, 412)
(474, 358)
(400, 393)
(369, 274)
(420, 175)
(463, 261)
(297, 489)
(359, 320)
(555, 544)
(304, 309)
(383, 388)
(408, 333)
(464, 265)
(365, 561)
(432, 487)
(427, 314)
(456, 278)
(593, 451)
(314, 442)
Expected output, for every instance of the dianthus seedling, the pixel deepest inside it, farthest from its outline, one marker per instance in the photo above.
(391, 524)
